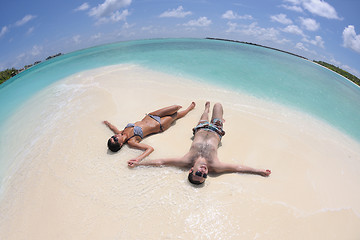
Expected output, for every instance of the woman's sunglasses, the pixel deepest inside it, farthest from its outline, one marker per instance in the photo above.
(115, 138)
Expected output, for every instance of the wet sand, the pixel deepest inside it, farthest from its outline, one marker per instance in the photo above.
(65, 184)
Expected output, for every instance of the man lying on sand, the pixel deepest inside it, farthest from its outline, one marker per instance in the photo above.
(154, 122)
(202, 157)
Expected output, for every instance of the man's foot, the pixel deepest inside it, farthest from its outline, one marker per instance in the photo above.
(207, 106)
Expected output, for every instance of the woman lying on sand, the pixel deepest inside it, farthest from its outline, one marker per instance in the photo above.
(154, 122)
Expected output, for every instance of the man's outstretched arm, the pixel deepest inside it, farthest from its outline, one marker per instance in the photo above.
(177, 162)
(229, 167)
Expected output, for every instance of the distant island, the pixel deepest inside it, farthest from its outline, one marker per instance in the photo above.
(338, 70)
(258, 46)
(9, 73)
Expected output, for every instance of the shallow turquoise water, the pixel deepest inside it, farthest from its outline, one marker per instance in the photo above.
(257, 71)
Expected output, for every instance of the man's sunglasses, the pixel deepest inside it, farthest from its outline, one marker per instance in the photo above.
(200, 174)
(115, 138)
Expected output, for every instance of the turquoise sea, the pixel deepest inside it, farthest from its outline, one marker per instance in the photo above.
(260, 72)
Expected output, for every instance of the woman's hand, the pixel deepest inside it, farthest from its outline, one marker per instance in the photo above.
(112, 127)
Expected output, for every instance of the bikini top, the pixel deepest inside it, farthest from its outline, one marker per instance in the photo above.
(137, 131)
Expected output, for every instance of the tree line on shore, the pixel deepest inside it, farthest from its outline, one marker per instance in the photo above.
(9, 73)
(340, 71)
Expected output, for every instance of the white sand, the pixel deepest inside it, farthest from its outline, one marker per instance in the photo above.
(66, 185)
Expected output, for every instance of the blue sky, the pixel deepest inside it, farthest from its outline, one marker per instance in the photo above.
(317, 29)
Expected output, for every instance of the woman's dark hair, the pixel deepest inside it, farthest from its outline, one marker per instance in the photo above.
(190, 178)
(113, 146)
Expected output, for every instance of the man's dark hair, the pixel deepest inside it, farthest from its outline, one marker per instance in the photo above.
(190, 178)
(113, 146)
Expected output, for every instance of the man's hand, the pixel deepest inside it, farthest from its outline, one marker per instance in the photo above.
(265, 173)
(133, 163)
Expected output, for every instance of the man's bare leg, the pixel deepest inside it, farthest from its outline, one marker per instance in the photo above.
(205, 115)
(218, 112)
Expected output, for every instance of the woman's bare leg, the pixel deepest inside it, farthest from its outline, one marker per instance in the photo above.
(186, 111)
(168, 120)
(166, 111)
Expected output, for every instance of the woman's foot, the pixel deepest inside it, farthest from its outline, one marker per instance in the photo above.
(186, 111)
(192, 106)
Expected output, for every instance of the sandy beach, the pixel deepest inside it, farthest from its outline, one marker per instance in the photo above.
(65, 184)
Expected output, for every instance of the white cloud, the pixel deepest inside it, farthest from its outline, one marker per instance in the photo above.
(232, 27)
(292, 8)
(30, 30)
(4, 29)
(152, 30)
(76, 39)
(255, 31)
(176, 13)
(317, 7)
(200, 22)
(147, 28)
(246, 17)
(82, 7)
(114, 17)
(294, 30)
(108, 8)
(25, 19)
(318, 41)
(333, 61)
(301, 46)
(231, 15)
(281, 18)
(20, 58)
(304, 48)
(96, 36)
(320, 8)
(309, 24)
(264, 34)
(295, 2)
(351, 40)
(117, 16)
(36, 50)
(128, 26)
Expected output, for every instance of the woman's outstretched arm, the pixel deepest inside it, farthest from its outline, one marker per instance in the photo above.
(112, 127)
